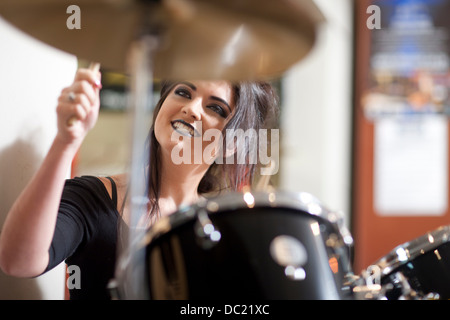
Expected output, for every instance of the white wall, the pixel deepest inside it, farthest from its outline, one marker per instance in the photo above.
(316, 115)
(31, 77)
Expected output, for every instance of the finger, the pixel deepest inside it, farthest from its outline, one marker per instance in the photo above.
(81, 100)
(84, 88)
(70, 112)
(71, 97)
(91, 76)
(78, 112)
(75, 102)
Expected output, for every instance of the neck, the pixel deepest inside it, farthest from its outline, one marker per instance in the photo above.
(179, 184)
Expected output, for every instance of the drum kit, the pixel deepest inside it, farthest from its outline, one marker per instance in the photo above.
(261, 244)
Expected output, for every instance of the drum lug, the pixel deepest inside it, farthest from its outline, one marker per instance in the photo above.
(398, 289)
(207, 234)
(407, 293)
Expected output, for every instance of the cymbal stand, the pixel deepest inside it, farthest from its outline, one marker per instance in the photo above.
(129, 275)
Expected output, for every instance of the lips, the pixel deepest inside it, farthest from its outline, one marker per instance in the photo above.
(184, 128)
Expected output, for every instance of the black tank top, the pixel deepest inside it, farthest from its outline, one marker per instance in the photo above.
(86, 235)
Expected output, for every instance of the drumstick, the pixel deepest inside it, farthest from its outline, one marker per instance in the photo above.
(94, 66)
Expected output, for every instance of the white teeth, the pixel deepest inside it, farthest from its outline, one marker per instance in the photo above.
(183, 129)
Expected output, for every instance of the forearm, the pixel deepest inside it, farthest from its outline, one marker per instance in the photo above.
(28, 229)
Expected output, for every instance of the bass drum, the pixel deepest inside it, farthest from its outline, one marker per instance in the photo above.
(249, 245)
(419, 269)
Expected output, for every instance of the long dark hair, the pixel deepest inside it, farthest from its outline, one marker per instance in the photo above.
(256, 107)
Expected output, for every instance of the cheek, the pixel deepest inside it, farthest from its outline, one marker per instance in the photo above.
(157, 127)
(162, 118)
(160, 127)
(214, 123)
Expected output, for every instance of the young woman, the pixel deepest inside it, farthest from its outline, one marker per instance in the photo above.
(77, 220)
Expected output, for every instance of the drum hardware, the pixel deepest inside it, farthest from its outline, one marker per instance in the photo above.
(415, 270)
(367, 285)
(269, 249)
(207, 234)
(399, 288)
(290, 253)
(400, 282)
(432, 296)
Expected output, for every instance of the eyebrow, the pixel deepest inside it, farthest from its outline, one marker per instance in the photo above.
(193, 87)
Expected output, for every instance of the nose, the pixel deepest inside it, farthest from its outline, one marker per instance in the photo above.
(193, 109)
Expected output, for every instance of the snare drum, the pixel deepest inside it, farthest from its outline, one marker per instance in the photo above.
(249, 245)
(419, 269)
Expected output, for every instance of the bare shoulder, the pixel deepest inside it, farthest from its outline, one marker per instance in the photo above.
(122, 183)
(120, 180)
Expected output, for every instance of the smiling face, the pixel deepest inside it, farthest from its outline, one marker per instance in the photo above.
(192, 108)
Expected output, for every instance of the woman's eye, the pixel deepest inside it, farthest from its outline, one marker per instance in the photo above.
(183, 93)
(219, 110)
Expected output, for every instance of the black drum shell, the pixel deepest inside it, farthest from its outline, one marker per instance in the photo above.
(426, 273)
(240, 265)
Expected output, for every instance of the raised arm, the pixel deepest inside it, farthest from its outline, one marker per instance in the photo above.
(28, 229)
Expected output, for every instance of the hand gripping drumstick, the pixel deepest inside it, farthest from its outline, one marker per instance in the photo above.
(94, 66)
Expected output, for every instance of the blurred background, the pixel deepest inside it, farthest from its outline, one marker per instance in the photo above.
(363, 124)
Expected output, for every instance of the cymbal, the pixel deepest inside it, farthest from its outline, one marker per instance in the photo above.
(202, 39)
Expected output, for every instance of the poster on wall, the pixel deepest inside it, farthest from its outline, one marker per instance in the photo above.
(410, 162)
(409, 103)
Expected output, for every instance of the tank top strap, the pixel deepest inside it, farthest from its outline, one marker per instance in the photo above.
(113, 191)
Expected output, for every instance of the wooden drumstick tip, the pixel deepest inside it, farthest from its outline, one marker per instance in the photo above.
(71, 121)
(94, 66)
